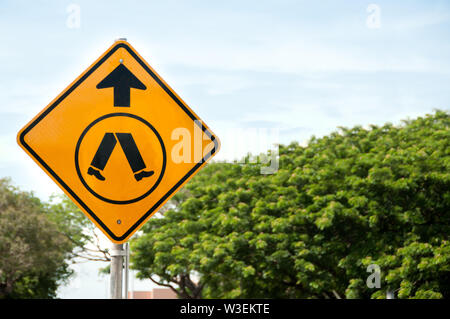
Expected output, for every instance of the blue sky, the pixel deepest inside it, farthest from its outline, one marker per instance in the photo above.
(300, 67)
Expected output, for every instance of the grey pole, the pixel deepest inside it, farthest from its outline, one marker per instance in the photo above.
(116, 271)
(127, 267)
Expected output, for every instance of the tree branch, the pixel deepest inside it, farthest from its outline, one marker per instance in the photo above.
(165, 285)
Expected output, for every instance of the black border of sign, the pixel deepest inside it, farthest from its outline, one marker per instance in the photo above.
(73, 87)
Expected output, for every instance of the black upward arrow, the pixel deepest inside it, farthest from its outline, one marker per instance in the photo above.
(122, 80)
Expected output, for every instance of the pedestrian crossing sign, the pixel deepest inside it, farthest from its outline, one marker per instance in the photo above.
(119, 141)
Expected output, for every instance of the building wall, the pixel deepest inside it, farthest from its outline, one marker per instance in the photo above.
(156, 293)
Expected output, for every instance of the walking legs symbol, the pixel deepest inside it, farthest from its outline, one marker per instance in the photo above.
(130, 149)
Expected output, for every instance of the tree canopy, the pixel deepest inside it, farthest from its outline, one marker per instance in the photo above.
(39, 241)
(359, 196)
(33, 252)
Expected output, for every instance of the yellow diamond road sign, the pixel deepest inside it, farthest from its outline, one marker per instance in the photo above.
(119, 141)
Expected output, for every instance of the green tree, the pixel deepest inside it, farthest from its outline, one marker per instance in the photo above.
(345, 201)
(33, 252)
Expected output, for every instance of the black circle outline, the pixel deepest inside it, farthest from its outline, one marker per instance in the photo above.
(111, 201)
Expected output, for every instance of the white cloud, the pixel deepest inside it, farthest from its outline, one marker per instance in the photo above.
(27, 175)
(299, 57)
(420, 20)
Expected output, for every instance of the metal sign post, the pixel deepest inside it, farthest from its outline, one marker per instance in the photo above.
(116, 271)
(127, 267)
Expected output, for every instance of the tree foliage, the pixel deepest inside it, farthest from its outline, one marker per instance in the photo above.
(345, 201)
(78, 229)
(33, 252)
(39, 241)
